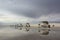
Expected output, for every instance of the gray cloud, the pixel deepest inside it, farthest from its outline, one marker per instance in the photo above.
(31, 8)
(37, 8)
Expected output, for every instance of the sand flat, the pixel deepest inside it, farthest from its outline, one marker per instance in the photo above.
(16, 34)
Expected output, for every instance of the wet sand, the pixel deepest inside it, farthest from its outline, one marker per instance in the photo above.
(33, 34)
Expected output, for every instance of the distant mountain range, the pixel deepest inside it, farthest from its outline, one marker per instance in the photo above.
(54, 21)
(34, 22)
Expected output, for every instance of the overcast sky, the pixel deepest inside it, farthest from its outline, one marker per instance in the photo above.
(29, 10)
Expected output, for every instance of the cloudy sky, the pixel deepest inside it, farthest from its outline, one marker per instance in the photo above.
(29, 10)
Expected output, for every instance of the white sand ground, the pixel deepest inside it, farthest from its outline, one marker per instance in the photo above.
(56, 25)
(10, 33)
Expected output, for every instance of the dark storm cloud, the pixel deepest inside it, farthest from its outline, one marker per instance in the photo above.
(32, 8)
